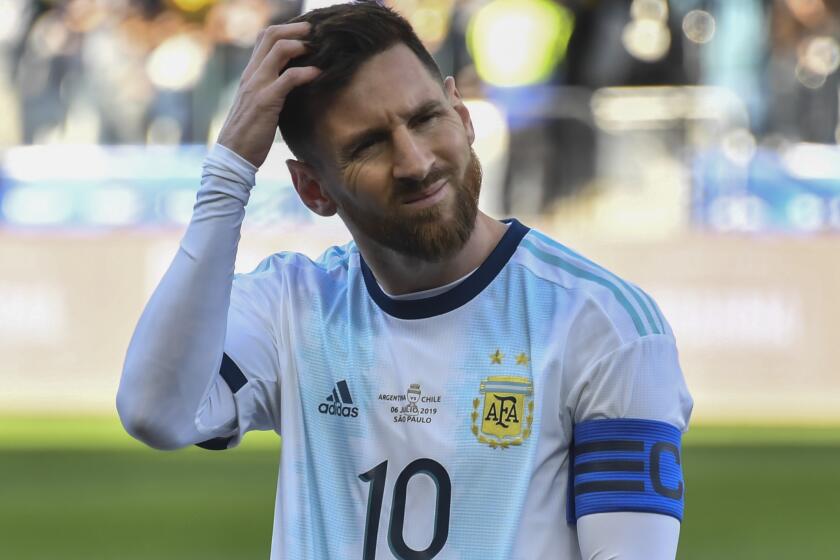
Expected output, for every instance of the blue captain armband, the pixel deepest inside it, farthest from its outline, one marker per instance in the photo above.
(625, 465)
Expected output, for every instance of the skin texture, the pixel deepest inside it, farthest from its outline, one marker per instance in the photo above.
(250, 125)
(409, 247)
(409, 244)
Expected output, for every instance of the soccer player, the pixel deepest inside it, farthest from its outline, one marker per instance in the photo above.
(446, 385)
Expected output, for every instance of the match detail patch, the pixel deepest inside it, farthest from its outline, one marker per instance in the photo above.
(626, 465)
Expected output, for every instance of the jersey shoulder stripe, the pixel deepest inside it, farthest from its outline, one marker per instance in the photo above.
(631, 298)
(643, 300)
(663, 325)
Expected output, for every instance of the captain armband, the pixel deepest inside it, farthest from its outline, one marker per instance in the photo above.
(625, 465)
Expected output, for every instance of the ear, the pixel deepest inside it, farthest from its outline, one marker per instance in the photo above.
(457, 103)
(309, 188)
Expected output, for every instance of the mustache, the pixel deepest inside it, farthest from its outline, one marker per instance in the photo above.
(408, 187)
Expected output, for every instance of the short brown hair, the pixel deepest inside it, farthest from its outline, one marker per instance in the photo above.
(342, 38)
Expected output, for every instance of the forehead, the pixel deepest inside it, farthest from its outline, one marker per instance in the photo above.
(383, 90)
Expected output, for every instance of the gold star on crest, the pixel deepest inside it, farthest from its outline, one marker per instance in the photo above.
(496, 357)
(522, 359)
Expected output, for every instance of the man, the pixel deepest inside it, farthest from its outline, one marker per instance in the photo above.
(551, 400)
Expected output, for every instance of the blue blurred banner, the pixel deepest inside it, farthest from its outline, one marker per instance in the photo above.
(794, 190)
(90, 186)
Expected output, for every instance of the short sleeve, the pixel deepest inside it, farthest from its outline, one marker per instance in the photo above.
(640, 379)
(245, 395)
(628, 408)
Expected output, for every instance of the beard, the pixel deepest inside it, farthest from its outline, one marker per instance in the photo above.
(425, 234)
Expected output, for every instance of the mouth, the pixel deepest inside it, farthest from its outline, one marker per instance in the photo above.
(428, 196)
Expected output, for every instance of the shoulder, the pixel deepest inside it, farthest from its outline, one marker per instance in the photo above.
(599, 299)
(282, 264)
(281, 269)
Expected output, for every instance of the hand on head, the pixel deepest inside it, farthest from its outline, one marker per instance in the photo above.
(266, 82)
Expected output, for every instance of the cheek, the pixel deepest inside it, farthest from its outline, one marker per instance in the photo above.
(452, 141)
(368, 182)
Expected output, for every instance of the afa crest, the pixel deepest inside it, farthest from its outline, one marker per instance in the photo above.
(507, 414)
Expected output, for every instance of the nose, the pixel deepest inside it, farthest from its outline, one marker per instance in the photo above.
(412, 159)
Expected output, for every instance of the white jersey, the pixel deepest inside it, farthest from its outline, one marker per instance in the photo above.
(444, 427)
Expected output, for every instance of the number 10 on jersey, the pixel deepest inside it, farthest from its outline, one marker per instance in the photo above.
(376, 477)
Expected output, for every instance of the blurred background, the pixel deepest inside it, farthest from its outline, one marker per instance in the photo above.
(691, 146)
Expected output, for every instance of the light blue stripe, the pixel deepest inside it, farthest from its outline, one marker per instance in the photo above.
(580, 273)
(627, 287)
(655, 310)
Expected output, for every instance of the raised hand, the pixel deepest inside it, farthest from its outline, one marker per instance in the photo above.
(250, 126)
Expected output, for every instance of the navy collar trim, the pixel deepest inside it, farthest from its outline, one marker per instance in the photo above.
(457, 296)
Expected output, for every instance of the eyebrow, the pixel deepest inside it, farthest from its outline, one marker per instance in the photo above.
(346, 152)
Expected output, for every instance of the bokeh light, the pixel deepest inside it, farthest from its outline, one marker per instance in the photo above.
(646, 39)
(646, 36)
(519, 42)
(430, 19)
(807, 212)
(699, 26)
(821, 55)
(178, 62)
(809, 78)
(738, 214)
(656, 10)
(739, 146)
(238, 22)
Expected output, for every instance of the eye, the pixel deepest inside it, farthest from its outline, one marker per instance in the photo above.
(366, 145)
(360, 149)
(423, 119)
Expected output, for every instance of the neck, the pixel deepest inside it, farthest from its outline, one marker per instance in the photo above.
(400, 274)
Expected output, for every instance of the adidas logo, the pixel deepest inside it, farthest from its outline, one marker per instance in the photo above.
(337, 403)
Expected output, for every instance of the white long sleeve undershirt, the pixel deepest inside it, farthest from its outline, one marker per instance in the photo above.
(174, 355)
(628, 535)
(170, 371)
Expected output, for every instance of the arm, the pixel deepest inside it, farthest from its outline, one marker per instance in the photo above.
(628, 535)
(169, 375)
(629, 406)
(177, 345)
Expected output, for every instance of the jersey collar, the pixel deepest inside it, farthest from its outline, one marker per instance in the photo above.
(457, 296)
